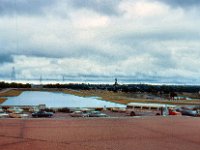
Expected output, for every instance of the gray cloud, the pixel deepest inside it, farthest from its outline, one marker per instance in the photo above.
(134, 38)
(108, 7)
(5, 58)
(181, 3)
(146, 39)
(24, 7)
(37, 7)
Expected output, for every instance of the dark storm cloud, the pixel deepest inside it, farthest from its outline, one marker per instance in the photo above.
(81, 52)
(108, 7)
(181, 3)
(27, 7)
(5, 58)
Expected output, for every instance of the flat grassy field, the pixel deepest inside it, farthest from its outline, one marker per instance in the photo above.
(124, 98)
(118, 97)
(11, 93)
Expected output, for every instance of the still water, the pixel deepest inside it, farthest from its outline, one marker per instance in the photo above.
(57, 99)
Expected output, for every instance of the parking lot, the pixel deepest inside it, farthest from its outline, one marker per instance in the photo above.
(64, 115)
(176, 132)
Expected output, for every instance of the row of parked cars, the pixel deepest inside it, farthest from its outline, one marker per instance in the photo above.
(16, 112)
(132, 109)
(88, 114)
(73, 114)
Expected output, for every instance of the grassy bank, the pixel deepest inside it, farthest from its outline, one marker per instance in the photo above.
(124, 98)
(118, 97)
(9, 93)
(2, 100)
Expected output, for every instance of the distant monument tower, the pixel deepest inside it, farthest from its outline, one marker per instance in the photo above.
(116, 82)
(13, 74)
(115, 86)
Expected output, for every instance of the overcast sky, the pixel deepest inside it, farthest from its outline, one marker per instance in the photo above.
(100, 37)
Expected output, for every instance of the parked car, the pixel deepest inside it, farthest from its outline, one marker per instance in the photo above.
(173, 112)
(34, 109)
(118, 109)
(16, 115)
(16, 110)
(3, 115)
(97, 114)
(1, 110)
(188, 112)
(79, 114)
(42, 114)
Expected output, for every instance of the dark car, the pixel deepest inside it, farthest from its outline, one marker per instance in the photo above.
(42, 114)
(188, 111)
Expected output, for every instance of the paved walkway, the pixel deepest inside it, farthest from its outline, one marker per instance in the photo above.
(166, 133)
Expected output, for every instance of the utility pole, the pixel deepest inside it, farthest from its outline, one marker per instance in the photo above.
(41, 79)
(63, 78)
(13, 74)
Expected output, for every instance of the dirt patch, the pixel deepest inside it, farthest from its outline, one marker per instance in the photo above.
(2, 100)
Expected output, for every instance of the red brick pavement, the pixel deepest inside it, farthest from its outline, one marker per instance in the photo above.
(148, 133)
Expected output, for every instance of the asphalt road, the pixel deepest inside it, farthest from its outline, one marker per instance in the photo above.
(147, 133)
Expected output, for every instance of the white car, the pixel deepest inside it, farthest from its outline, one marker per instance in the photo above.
(1, 110)
(16, 110)
(79, 114)
(14, 115)
(3, 115)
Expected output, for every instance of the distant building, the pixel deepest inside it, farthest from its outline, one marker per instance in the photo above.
(37, 86)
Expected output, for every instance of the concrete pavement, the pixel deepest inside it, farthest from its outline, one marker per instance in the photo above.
(147, 133)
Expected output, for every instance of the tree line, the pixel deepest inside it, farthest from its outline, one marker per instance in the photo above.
(4, 85)
(165, 89)
(129, 87)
